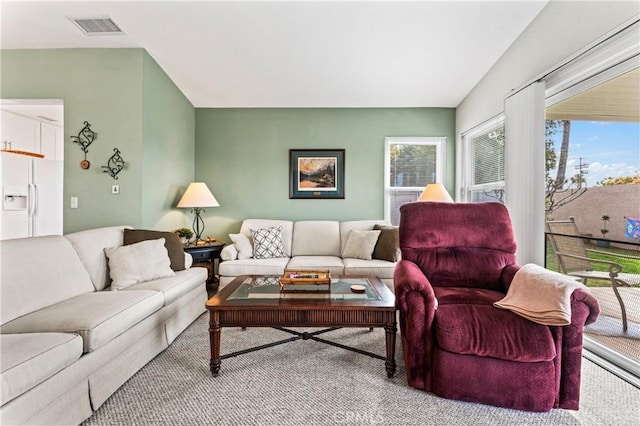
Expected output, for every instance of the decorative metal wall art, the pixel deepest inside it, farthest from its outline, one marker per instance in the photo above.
(113, 167)
(85, 137)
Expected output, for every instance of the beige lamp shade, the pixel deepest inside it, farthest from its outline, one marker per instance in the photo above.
(435, 192)
(198, 195)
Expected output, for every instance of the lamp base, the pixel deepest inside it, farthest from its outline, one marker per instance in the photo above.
(198, 223)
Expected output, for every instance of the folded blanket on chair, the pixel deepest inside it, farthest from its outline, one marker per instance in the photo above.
(541, 295)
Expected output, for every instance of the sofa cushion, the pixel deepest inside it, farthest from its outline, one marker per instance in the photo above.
(287, 230)
(267, 243)
(483, 330)
(316, 238)
(333, 263)
(360, 244)
(90, 246)
(243, 245)
(28, 359)
(59, 275)
(171, 242)
(139, 262)
(97, 317)
(388, 245)
(380, 268)
(173, 288)
(234, 268)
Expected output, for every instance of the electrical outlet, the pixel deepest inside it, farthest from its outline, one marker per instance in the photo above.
(74, 202)
(115, 189)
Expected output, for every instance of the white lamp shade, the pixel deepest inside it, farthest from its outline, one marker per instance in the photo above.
(435, 192)
(198, 195)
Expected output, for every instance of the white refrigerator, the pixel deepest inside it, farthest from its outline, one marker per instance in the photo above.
(32, 197)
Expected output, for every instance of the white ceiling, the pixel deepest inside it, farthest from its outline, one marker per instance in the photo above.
(296, 53)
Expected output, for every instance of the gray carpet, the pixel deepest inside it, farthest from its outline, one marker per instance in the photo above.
(310, 383)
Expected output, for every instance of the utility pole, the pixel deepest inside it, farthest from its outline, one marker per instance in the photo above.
(582, 170)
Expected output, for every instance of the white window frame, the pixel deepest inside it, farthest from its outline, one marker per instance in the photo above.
(440, 142)
(467, 158)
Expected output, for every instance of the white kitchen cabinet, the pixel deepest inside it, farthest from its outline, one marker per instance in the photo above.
(51, 143)
(20, 133)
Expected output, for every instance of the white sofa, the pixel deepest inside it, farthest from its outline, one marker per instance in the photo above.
(67, 342)
(311, 244)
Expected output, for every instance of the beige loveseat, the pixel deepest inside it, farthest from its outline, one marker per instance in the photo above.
(67, 342)
(308, 245)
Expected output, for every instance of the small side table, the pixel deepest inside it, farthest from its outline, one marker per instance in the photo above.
(205, 256)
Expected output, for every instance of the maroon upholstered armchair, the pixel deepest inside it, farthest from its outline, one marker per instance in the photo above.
(457, 259)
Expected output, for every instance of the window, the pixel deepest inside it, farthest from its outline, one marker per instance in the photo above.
(410, 164)
(484, 162)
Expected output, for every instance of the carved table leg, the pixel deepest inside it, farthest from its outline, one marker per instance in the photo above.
(390, 337)
(214, 340)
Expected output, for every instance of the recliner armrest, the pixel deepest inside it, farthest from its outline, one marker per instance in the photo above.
(408, 277)
(417, 303)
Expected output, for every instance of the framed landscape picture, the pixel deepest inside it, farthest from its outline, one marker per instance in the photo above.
(316, 173)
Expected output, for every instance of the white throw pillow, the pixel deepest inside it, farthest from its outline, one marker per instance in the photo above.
(229, 252)
(267, 243)
(360, 244)
(243, 245)
(139, 262)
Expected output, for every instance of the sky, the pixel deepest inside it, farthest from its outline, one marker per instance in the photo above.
(611, 149)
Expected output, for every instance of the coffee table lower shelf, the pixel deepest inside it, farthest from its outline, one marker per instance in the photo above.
(284, 314)
(387, 321)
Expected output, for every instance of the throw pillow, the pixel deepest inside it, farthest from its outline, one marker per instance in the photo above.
(139, 262)
(267, 243)
(360, 244)
(172, 243)
(243, 245)
(388, 245)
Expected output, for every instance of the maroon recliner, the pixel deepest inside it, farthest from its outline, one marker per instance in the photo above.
(457, 259)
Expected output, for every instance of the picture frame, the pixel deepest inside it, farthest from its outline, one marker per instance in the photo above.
(316, 173)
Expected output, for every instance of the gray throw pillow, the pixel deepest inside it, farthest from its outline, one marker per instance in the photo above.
(388, 245)
(360, 244)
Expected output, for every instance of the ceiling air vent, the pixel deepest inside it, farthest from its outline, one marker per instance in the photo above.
(97, 26)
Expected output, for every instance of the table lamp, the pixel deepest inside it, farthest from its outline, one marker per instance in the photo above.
(435, 192)
(196, 197)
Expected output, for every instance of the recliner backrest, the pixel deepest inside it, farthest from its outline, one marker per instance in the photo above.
(458, 244)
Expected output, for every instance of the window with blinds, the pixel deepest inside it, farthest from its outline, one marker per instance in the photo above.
(484, 160)
(410, 164)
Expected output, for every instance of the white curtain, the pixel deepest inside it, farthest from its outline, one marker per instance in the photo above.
(524, 170)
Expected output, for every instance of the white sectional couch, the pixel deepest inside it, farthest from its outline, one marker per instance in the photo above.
(308, 245)
(67, 342)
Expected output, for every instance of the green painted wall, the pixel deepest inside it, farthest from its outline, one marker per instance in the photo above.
(132, 106)
(243, 156)
(168, 149)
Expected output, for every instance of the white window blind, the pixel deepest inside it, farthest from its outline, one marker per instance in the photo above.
(484, 162)
(410, 164)
(524, 170)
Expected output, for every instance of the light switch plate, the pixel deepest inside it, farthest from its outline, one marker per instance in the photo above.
(74, 202)
(115, 189)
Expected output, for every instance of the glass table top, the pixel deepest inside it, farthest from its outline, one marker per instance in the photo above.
(255, 288)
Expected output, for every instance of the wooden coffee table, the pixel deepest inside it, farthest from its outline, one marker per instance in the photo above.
(258, 301)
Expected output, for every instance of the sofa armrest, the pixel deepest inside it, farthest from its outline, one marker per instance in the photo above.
(188, 260)
(417, 303)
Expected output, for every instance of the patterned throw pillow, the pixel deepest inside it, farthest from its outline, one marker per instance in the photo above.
(267, 243)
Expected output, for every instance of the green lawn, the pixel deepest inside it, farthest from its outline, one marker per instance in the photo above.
(629, 265)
